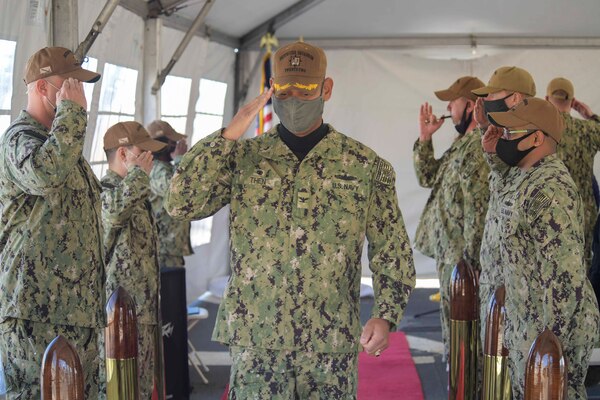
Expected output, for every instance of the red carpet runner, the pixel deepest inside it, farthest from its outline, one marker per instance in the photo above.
(391, 376)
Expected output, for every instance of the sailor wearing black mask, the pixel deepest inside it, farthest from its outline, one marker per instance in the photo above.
(541, 245)
(451, 225)
(506, 88)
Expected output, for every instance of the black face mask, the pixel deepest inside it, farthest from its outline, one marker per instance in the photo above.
(499, 105)
(508, 151)
(464, 123)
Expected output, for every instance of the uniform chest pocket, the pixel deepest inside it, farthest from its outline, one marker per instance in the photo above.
(255, 203)
(339, 209)
(349, 196)
(258, 191)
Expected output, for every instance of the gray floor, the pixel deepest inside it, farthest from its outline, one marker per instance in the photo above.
(420, 323)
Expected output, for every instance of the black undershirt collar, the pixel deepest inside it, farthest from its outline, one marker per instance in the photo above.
(301, 146)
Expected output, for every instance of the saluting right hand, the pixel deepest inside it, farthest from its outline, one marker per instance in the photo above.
(490, 139)
(428, 123)
(72, 89)
(245, 116)
(479, 114)
(144, 161)
(583, 109)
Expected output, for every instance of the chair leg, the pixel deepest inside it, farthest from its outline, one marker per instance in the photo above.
(204, 367)
(193, 351)
(198, 371)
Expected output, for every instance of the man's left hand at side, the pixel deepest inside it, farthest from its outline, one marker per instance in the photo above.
(374, 338)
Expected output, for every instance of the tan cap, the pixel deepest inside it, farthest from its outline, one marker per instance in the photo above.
(300, 65)
(461, 88)
(513, 79)
(562, 84)
(130, 133)
(158, 128)
(532, 113)
(60, 61)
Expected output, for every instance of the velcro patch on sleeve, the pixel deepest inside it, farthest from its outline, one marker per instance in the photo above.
(384, 172)
(538, 204)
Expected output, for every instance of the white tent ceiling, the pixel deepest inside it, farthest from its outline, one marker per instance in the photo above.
(346, 20)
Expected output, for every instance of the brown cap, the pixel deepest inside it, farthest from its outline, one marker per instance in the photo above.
(563, 85)
(461, 88)
(158, 128)
(513, 79)
(60, 61)
(532, 113)
(300, 65)
(130, 133)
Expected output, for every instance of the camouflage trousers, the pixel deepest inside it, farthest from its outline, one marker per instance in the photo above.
(22, 345)
(445, 275)
(578, 359)
(146, 361)
(258, 374)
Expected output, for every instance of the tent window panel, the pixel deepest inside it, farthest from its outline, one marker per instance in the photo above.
(175, 97)
(7, 63)
(204, 125)
(212, 97)
(118, 90)
(209, 108)
(91, 64)
(200, 231)
(4, 123)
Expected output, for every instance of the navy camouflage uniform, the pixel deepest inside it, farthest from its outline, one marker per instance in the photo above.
(451, 226)
(296, 236)
(541, 249)
(52, 277)
(131, 242)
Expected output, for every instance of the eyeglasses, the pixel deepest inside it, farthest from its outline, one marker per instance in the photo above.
(507, 133)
